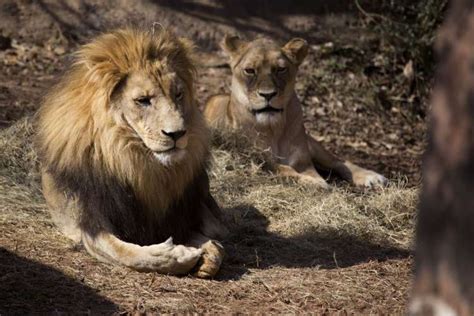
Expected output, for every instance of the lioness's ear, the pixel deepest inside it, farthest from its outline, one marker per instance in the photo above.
(296, 50)
(231, 44)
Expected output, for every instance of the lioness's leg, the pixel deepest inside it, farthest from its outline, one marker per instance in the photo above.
(345, 169)
(364, 177)
(165, 257)
(309, 176)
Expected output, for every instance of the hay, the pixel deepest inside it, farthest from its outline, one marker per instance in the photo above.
(305, 219)
(18, 159)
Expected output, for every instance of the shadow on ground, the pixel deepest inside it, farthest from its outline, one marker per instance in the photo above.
(250, 245)
(28, 287)
(79, 19)
(265, 17)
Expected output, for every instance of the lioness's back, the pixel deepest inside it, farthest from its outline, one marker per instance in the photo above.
(216, 110)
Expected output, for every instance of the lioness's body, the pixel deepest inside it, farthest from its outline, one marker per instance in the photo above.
(124, 152)
(263, 105)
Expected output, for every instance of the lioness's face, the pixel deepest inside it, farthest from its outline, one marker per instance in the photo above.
(159, 110)
(263, 75)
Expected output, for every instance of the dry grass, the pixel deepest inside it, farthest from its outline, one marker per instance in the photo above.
(19, 177)
(292, 248)
(314, 222)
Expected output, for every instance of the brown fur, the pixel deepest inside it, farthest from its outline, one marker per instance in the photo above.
(112, 177)
(264, 105)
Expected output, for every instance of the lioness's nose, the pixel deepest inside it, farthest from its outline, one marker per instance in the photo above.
(267, 95)
(174, 135)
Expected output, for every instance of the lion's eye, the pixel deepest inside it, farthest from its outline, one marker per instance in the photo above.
(281, 70)
(249, 71)
(179, 95)
(143, 101)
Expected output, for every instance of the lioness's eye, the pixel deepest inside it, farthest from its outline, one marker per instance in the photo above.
(179, 95)
(249, 71)
(281, 70)
(143, 101)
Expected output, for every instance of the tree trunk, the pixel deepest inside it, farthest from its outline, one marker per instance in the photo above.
(444, 272)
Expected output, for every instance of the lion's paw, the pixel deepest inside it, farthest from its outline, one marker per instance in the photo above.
(211, 260)
(168, 258)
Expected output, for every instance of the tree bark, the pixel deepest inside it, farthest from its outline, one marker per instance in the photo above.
(444, 263)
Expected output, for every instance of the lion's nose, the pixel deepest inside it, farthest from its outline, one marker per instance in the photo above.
(267, 95)
(174, 135)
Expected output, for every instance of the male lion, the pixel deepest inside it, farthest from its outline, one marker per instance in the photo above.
(124, 151)
(264, 105)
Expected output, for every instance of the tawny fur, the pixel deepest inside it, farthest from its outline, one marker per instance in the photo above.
(76, 115)
(263, 105)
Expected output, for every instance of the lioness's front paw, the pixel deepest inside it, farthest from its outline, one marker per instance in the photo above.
(167, 258)
(368, 178)
(211, 260)
(316, 181)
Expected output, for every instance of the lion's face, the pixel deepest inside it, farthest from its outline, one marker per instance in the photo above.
(263, 75)
(159, 110)
(125, 115)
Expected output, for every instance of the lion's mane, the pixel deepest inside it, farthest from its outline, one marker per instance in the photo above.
(102, 164)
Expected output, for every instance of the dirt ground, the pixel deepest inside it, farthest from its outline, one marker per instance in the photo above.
(292, 249)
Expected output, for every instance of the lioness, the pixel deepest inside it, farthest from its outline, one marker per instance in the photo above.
(263, 104)
(124, 151)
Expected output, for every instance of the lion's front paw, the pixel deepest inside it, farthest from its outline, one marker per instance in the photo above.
(368, 179)
(167, 258)
(210, 261)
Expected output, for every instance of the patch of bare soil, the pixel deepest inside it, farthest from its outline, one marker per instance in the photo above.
(292, 249)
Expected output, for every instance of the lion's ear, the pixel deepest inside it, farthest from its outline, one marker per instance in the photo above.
(296, 50)
(231, 44)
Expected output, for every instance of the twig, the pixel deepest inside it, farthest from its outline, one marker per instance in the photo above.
(257, 259)
(372, 16)
(335, 260)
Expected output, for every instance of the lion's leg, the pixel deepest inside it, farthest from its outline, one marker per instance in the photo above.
(345, 169)
(212, 224)
(63, 210)
(165, 257)
(308, 176)
(212, 251)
